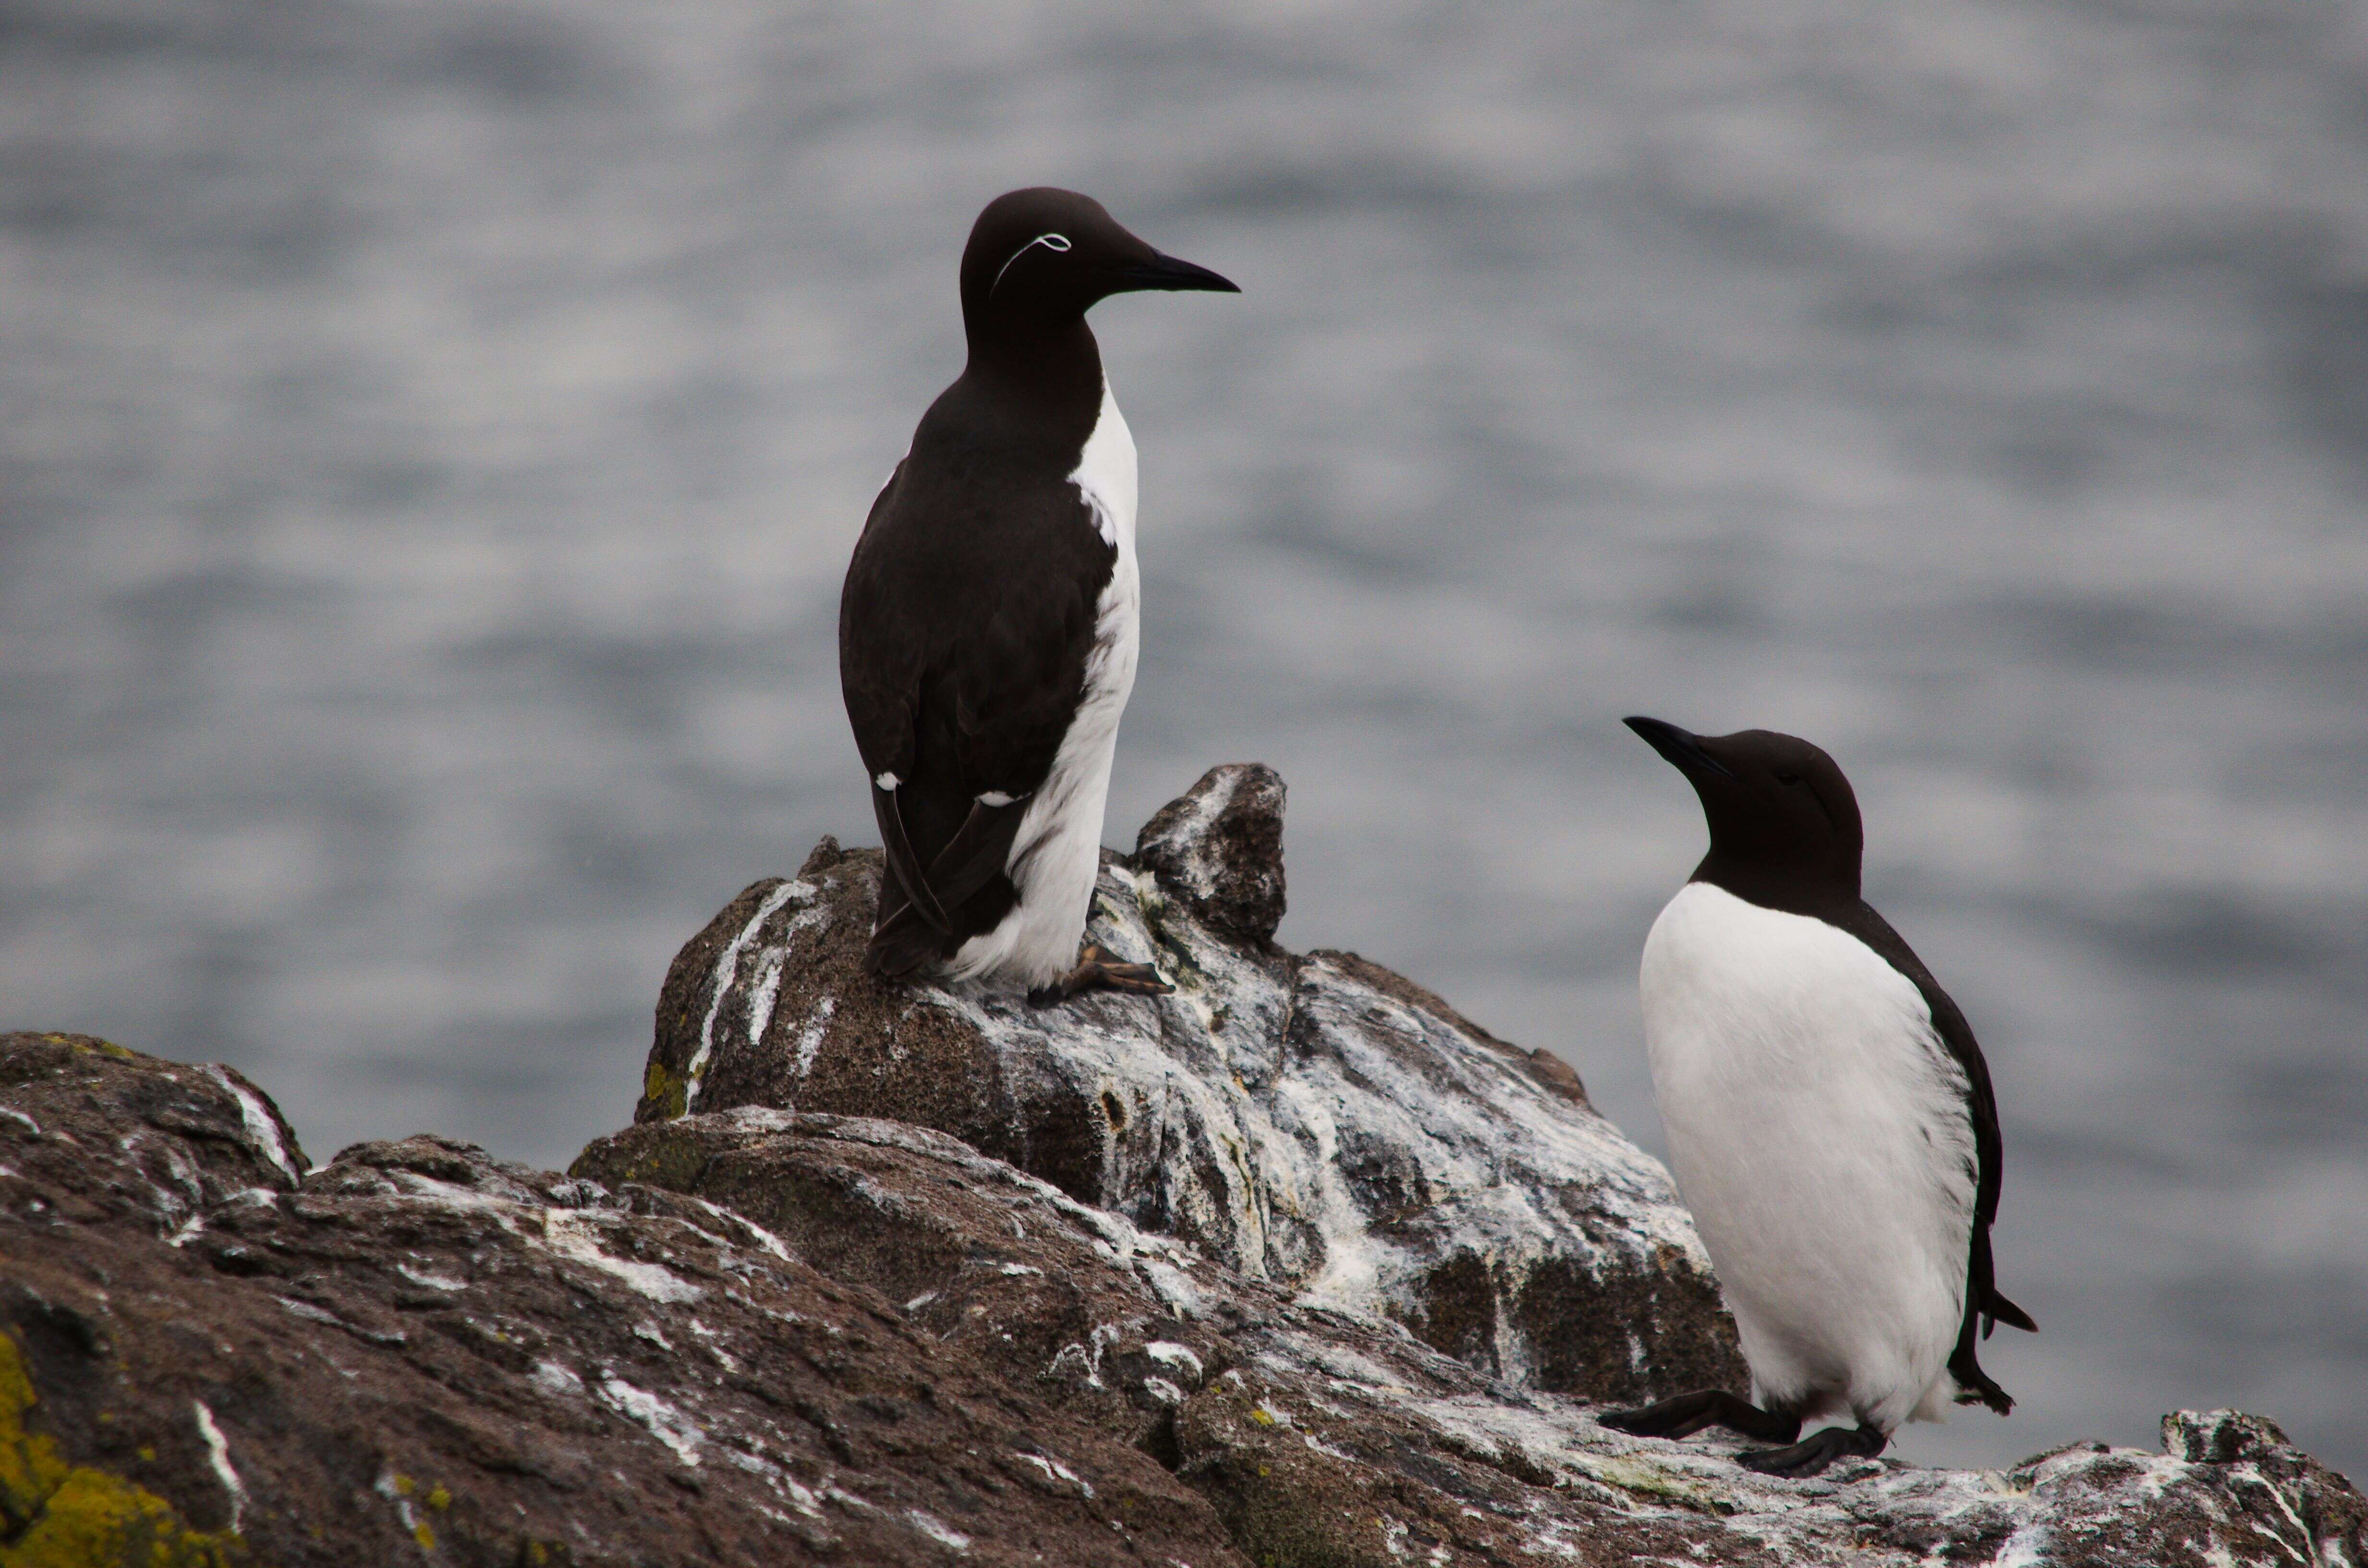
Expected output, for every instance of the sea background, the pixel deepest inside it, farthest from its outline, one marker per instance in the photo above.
(431, 436)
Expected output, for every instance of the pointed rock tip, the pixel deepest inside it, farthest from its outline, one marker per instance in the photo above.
(1218, 849)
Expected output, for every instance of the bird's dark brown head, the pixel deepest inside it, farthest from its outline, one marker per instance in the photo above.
(1784, 828)
(1041, 257)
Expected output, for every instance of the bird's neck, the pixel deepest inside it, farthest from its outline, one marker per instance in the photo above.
(1051, 370)
(1794, 887)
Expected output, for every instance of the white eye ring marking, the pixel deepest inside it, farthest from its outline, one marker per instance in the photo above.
(1059, 242)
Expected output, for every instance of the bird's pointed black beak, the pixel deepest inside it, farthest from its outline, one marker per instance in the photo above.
(1171, 273)
(1681, 749)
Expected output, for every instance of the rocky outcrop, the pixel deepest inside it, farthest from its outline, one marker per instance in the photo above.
(759, 1336)
(1322, 1437)
(210, 1356)
(1316, 1122)
(1294, 1267)
(1218, 850)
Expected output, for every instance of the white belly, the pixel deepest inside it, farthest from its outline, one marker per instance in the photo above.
(1818, 1130)
(1057, 853)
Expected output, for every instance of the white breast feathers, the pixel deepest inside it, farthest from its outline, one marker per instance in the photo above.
(1819, 1131)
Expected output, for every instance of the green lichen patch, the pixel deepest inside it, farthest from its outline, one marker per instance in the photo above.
(56, 1514)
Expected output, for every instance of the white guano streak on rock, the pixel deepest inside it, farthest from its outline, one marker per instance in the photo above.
(809, 1037)
(766, 992)
(1503, 1123)
(218, 1454)
(259, 1125)
(576, 1235)
(1054, 1471)
(1351, 1268)
(2026, 1548)
(387, 1488)
(1198, 864)
(765, 1238)
(727, 972)
(942, 1534)
(1635, 1475)
(556, 1380)
(451, 1195)
(1169, 1354)
(1482, 1153)
(665, 1422)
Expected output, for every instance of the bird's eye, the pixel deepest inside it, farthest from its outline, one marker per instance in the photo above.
(1788, 779)
(1054, 241)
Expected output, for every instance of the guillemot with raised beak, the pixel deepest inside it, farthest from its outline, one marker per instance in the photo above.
(1829, 1121)
(987, 630)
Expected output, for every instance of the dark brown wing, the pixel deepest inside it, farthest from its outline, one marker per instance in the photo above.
(965, 627)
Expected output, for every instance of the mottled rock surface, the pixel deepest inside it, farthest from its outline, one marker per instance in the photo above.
(1314, 1121)
(417, 1354)
(1218, 849)
(1296, 1268)
(1319, 1437)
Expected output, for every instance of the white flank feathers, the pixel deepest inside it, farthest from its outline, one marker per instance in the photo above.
(1057, 852)
(1818, 1130)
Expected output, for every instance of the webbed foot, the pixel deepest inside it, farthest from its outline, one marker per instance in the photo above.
(1690, 1412)
(1816, 1451)
(1097, 970)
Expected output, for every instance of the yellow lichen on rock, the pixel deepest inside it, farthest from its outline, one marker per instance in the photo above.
(665, 1090)
(54, 1513)
(30, 1469)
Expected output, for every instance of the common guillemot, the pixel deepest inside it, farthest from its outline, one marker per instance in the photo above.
(987, 629)
(1829, 1121)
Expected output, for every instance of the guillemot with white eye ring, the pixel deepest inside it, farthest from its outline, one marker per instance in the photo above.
(988, 628)
(1830, 1119)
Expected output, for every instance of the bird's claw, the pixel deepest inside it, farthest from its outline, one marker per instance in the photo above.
(1097, 970)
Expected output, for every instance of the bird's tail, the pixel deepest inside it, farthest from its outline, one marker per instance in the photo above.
(902, 943)
(1998, 1310)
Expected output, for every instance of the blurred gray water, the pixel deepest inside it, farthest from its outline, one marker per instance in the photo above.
(431, 436)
